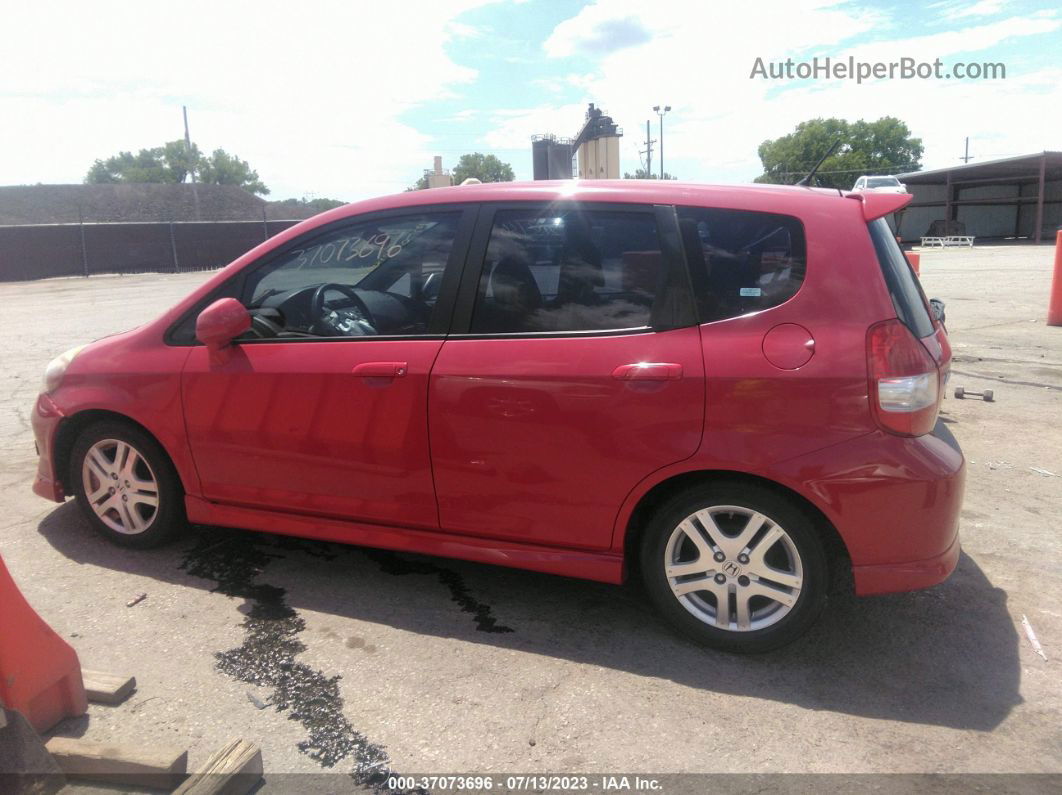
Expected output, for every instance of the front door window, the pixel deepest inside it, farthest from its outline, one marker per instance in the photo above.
(370, 278)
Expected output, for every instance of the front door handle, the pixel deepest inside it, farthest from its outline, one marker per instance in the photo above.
(381, 369)
(648, 371)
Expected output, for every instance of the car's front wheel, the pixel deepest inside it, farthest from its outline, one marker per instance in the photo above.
(125, 485)
(735, 566)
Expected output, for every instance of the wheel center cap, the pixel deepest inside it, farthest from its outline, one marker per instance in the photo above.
(731, 569)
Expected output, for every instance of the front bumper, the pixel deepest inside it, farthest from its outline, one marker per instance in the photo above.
(45, 421)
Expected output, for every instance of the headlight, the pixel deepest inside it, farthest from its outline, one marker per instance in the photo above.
(53, 373)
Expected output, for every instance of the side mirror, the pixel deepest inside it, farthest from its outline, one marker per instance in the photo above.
(221, 322)
(938, 309)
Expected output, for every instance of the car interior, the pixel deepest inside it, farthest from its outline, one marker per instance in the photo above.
(315, 292)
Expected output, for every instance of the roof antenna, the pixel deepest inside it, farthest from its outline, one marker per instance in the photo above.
(806, 180)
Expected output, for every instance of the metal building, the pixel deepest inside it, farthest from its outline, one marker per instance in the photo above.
(437, 176)
(1014, 197)
(551, 157)
(598, 146)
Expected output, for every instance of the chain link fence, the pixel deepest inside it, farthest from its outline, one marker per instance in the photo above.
(46, 251)
(80, 230)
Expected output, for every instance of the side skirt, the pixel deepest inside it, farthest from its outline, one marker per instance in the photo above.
(601, 566)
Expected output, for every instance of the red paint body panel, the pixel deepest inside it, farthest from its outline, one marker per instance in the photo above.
(530, 452)
(45, 420)
(758, 413)
(534, 439)
(909, 576)
(291, 426)
(878, 205)
(600, 566)
(132, 374)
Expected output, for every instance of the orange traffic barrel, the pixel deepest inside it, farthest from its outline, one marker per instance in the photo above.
(914, 259)
(1054, 309)
(40, 675)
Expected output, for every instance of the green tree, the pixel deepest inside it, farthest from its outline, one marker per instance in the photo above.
(172, 163)
(146, 165)
(885, 146)
(485, 168)
(641, 173)
(221, 168)
(178, 160)
(302, 208)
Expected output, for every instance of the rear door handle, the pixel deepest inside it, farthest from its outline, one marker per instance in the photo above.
(648, 371)
(381, 369)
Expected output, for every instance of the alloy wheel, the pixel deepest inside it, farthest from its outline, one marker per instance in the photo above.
(120, 487)
(733, 568)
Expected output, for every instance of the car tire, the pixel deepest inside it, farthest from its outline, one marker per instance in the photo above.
(126, 485)
(757, 550)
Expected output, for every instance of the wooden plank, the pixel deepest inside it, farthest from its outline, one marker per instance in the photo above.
(105, 688)
(161, 768)
(234, 770)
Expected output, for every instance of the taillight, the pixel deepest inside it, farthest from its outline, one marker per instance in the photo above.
(905, 386)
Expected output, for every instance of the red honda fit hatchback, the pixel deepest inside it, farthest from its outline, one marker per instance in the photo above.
(734, 389)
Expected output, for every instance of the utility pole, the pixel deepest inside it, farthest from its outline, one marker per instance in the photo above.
(648, 152)
(191, 162)
(661, 113)
(966, 158)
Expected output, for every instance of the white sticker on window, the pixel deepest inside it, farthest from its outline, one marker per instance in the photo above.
(751, 292)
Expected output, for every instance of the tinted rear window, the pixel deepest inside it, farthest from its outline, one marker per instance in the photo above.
(907, 297)
(741, 261)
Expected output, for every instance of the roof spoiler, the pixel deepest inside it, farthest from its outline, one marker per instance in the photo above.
(878, 205)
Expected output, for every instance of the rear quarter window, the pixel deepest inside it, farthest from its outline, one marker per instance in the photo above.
(742, 261)
(908, 300)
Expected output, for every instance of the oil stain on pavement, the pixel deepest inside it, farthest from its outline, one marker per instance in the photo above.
(267, 657)
(459, 593)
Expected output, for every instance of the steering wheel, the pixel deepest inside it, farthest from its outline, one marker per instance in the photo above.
(318, 299)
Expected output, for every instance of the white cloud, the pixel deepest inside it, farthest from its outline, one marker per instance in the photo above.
(595, 32)
(983, 8)
(698, 59)
(462, 31)
(313, 98)
(512, 128)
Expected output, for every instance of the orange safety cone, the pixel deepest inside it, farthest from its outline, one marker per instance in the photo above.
(915, 260)
(40, 675)
(1054, 308)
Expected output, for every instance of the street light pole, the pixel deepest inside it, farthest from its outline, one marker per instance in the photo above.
(661, 113)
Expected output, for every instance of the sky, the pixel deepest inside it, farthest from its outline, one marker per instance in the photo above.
(352, 99)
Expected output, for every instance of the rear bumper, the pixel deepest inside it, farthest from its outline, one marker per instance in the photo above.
(895, 502)
(45, 422)
(911, 576)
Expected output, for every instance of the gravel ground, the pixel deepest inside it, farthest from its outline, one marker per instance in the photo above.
(336, 658)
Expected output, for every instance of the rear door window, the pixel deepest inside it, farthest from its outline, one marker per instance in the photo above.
(742, 261)
(558, 269)
(909, 301)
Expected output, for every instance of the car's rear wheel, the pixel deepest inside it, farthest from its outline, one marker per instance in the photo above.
(735, 566)
(125, 485)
